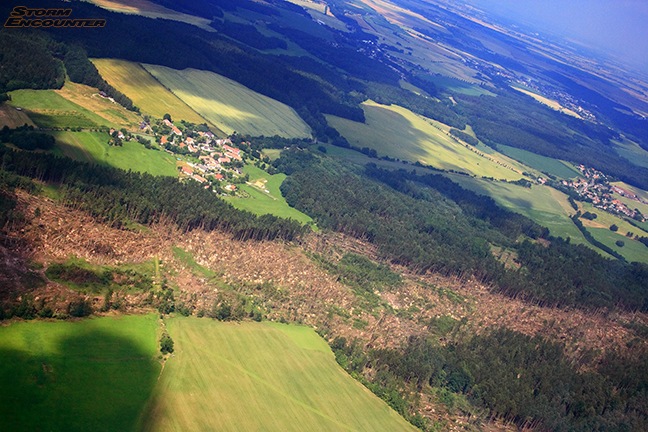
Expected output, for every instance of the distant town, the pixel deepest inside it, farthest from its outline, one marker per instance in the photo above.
(595, 187)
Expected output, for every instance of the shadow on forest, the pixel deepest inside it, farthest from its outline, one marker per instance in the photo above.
(95, 381)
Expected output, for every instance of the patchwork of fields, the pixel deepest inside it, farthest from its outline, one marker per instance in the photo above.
(399, 133)
(144, 90)
(102, 374)
(230, 105)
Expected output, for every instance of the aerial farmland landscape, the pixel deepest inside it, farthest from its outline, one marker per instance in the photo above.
(323, 215)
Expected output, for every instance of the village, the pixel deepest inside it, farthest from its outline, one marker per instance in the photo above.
(595, 187)
(208, 160)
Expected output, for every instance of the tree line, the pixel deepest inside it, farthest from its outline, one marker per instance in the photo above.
(34, 60)
(117, 197)
(525, 380)
(429, 223)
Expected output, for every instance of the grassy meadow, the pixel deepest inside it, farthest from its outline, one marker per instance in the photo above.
(545, 205)
(96, 374)
(260, 202)
(399, 133)
(144, 90)
(49, 109)
(632, 250)
(631, 151)
(93, 147)
(88, 98)
(260, 376)
(541, 163)
(230, 105)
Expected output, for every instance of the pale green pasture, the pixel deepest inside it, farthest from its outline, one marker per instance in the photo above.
(541, 163)
(399, 133)
(542, 204)
(93, 147)
(262, 377)
(230, 105)
(632, 250)
(631, 151)
(96, 374)
(260, 202)
(49, 109)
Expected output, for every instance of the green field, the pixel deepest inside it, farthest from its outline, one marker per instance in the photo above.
(144, 90)
(260, 202)
(91, 375)
(632, 250)
(545, 205)
(49, 109)
(399, 133)
(229, 105)
(541, 163)
(260, 377)
(93, 147)
(631, 151)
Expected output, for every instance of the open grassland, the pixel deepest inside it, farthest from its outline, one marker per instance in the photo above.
(260, 376)
(89, 98)
(13, 118)
(49, 109)
(554, 105)
(95, 374)
(260, 202)
(399, 133)
(144, 90)
(632, 250)
(541, 163)
(93, 147)
(545, 205)
(631, 151)
(151, 10)
(229, 105)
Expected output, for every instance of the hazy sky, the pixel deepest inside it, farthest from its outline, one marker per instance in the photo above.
(618, 26)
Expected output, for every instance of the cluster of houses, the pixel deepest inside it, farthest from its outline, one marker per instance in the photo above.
(216, 157)
(596, 188)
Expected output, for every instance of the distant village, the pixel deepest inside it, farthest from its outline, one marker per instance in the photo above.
(210, 161)
(595, 187)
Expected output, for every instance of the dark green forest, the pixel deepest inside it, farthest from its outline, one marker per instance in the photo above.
(527, 381)
(34, 60)
(118, 198)
(429, 223)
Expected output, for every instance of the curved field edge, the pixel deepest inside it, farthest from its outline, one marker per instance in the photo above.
(263, 196)
(230, 105)
(399, 133)
(262, 376)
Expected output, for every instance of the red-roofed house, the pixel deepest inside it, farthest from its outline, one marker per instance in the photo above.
(176, 131)
(164, 140)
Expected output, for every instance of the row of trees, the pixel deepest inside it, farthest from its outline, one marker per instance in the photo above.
(117, 197)
(34, 60)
